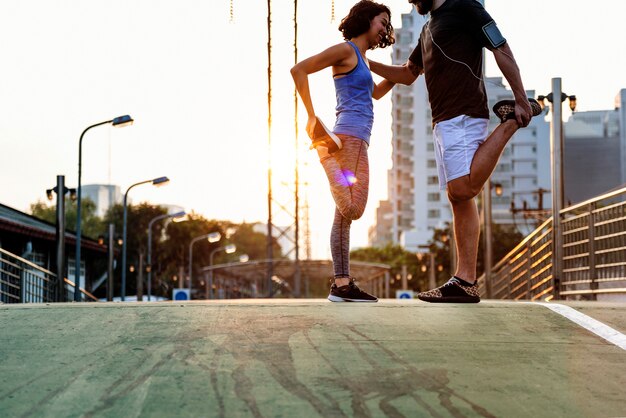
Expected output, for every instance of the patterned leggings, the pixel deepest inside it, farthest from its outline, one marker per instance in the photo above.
(348, 174)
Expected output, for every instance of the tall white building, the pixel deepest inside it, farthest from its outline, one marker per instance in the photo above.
(413, 156)
(103, 195)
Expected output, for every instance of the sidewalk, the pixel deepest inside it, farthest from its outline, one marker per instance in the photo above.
(305, 358)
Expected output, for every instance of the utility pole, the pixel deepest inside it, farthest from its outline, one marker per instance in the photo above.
(556, 157)
(110, 262)
(488, 236)
(60, 239)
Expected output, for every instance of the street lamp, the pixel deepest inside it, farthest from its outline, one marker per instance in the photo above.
(119, 122)
(229, 249)
(159, 181)
(550, 97)
(211, 237)
(178, 216)
(556, 98)
(60, 191)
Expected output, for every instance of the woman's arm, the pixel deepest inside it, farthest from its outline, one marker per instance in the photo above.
(334, 55)
(382, 88)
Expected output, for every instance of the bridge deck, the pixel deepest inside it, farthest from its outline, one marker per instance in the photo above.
(308, 358)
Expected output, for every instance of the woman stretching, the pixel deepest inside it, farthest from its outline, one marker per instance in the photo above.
(343, 151)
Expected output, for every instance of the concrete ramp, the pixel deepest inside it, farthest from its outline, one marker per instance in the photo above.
(308, 358)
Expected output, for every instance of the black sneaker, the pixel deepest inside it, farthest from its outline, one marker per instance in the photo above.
(505, 109)
(454, 290)
(325, 137)
(349, 293)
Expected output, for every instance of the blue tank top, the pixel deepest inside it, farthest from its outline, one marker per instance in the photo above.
(355, 111)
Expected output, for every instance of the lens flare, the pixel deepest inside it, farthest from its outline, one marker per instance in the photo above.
(347, 178)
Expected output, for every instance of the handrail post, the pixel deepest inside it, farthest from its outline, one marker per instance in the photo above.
(593, 286)
(529, 273)
(508, 285)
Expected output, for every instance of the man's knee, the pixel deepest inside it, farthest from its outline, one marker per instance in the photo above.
(461, 192)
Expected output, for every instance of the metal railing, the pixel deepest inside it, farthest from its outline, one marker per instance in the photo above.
(22, 281)
(594, 256)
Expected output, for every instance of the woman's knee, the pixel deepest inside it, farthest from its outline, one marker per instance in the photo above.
(352, 212)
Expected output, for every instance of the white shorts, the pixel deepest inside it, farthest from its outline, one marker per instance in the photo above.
(456, 142)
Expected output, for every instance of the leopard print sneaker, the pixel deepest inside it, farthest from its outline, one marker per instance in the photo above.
(505, 109)
(454, 290)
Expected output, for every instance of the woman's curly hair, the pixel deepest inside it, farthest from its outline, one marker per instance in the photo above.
(359, 20)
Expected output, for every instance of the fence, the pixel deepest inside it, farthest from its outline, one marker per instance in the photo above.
(594, 256)
(24, 282)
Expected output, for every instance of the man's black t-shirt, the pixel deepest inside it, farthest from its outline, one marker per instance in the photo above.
(450, 52)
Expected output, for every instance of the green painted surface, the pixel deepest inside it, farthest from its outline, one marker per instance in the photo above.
(312, 358)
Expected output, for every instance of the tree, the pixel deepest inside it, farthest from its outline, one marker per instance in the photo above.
(505, 238)
(173, 256)
(440, 246)
(92, 225)
(138, 218)
(253, 243)
(396, 257)
(170, 243)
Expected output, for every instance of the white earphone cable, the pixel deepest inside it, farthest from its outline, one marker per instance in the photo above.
(461, 62)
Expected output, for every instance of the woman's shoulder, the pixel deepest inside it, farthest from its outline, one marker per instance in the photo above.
(339, 51)
(343, 47)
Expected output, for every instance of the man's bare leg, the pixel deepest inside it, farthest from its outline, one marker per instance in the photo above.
(484, 162)
(461, 193)
(466, 235)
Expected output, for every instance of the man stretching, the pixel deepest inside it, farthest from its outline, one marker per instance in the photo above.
(449, 54)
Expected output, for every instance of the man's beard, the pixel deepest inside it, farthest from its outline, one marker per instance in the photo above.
(424, 6)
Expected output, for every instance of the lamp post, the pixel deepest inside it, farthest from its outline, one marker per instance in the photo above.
(119, 122)
(60, 191)
(177, 217)
(488, 233)
(556, 98)
(159, 181)
(229, 249)
(211, 237)
(110, 257)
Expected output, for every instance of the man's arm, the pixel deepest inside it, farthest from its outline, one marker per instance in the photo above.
(381, 89)
(510, 70)
(398, 74)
